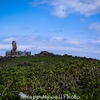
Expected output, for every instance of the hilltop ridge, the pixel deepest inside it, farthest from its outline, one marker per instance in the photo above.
(45, 53)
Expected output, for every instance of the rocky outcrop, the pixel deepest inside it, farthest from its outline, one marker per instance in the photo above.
(44, 53)
(4, 59)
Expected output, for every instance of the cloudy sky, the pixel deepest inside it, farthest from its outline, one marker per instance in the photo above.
(58, 26)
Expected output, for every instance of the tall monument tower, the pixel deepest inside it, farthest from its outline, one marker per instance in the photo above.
(14, 46)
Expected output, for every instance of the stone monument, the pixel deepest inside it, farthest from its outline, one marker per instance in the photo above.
(14, 46)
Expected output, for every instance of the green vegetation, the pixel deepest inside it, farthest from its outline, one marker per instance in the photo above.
(51, 76)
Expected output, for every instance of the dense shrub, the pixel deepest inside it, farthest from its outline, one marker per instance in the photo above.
(51, 76)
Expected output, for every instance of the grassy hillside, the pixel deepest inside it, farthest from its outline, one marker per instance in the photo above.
(50, 76)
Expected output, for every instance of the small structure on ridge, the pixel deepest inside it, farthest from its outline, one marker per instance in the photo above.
(14, 51)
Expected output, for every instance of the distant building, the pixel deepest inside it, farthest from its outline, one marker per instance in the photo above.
(13, 52)
(17, 53)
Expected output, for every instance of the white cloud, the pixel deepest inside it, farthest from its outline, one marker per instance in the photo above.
(96, 41)
(95, 26)
(56, 39)
(59, 48)
(8, 39)
(23, 47)
(55, 45)
(73, 41)
(5, 46)
(31, 42)
(61, 8)
(60, 11)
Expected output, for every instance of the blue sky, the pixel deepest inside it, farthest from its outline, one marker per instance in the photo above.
(58, 26)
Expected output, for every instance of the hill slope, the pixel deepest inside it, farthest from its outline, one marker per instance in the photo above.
(50, 76)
